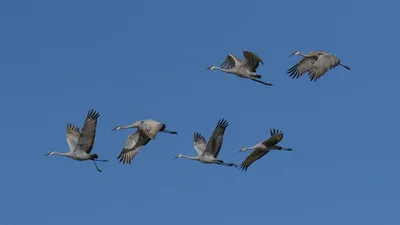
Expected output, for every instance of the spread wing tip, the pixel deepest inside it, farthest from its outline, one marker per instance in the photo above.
(222, 123)
(93, 114)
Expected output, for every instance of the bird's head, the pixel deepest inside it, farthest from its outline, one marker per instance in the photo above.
(211, 68)
(49, 153)
(243, 149)
(178, 156)
(116, 128)
(294, 53)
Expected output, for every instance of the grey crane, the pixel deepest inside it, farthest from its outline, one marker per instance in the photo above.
(208, 152)
(262, 148)
(81, 143)
(244, 69)
(146, 131)
(316, 63)
(149, 127)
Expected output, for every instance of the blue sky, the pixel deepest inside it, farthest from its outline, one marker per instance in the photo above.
(132, 60)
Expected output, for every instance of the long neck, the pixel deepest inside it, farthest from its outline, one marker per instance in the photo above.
(249, 148)
(127, 127)
(220, 69)
(62, 154)
(302, 54)
(190, 157)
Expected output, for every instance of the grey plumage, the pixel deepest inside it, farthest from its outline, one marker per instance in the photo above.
(244, 69)
(208, 152)
(147, 130)
(316, 63)
(81, 143)
(262, 148)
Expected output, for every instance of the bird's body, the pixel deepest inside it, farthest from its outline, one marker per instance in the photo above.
(316, 63)
(244, 69)
(81, 143)
(147, 130)
(262, 148)
(208, 152)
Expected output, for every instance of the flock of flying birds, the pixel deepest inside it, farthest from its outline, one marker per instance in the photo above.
(80, 143)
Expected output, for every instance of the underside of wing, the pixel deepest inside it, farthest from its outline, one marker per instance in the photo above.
(72, 136)
(252, 60)
(324, 63)
(86, 138)
(254, 156)
(230, 62)
(215, 142)
(303, 66)
(200, 143)
(133, 145)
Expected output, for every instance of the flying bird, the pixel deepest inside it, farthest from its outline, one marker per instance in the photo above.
(149, 127)
(81, 143)
(244, 69)
(146, 131)
(316, 63)
(208, 152)
(262, 148)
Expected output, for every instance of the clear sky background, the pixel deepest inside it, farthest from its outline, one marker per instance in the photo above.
(132, 60)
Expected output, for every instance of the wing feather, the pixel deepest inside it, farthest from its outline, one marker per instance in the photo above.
(250, 159)
(135, 142)
(215, 142)
(252, 60)
(151, 128)
(324, 63)
(230, 62)
(304, 65)
(86, 138)
(276, 137)
(200, 143)
(72, 136)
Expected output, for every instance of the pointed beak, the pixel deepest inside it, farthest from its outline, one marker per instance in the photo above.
(47, 154)
(175, 157)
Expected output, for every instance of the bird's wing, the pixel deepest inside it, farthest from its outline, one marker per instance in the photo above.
(276, 137)
(72, 136)
(230, 62)
(304, 65)
(250, 159)
(151, 128)
(135, 142)
(324, 63)
(86, 138)
(252, 60)
(200, 143)
(215, 142)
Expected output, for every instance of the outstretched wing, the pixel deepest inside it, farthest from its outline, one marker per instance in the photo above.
(86, 138)
(276, 137)
(230, 62)
(215, 142)
(304, 65)
(254, 156)
(324, 63)
(252, 60)
(72, 136)
(200, 143)
(133, 145)
(151, 128)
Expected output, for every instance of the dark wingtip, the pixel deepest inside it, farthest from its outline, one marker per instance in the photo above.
(93, 114)
(223, 123)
